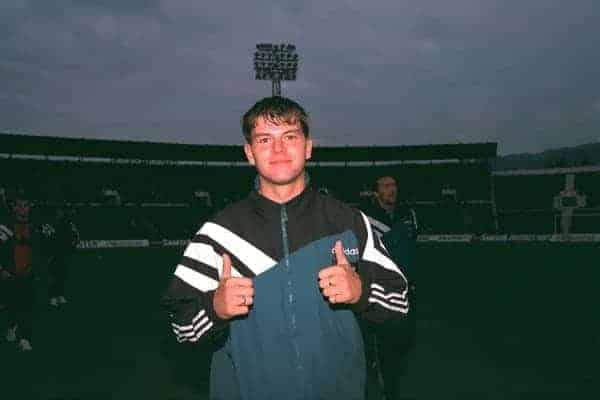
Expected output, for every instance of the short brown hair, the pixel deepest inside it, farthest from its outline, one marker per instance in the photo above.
(275, 109)
(380, 177)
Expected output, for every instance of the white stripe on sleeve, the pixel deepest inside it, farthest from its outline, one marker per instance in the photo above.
(206, 254)
(196, 279)
(373, 255)
(247, 253)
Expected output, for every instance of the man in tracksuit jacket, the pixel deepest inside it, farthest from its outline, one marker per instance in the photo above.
(281, 276)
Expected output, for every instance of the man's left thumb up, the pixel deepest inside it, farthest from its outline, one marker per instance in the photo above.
(340, 257)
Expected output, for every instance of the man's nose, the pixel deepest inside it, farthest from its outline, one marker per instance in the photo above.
(278, 144)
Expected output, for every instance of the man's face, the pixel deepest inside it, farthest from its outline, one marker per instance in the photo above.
(278, 151)
(387, 190)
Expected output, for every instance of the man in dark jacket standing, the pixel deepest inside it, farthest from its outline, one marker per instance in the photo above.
(389, 344)
(281, 276)
(18, 272)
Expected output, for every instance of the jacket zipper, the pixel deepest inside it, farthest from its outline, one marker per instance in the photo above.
(284, 237)
(289, 286)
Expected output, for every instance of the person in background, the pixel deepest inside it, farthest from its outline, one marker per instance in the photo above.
(6, 253)
(21, 291)
(64, 238)
(388, 345)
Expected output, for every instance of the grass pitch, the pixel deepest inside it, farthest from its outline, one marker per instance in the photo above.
(495, 321)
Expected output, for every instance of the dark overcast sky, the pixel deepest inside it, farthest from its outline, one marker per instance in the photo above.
(524, 73)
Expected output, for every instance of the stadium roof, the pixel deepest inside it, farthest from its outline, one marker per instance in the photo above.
(12, 144)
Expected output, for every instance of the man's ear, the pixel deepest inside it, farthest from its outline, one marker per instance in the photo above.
(376, 195)
(308, 152)
(249, 154)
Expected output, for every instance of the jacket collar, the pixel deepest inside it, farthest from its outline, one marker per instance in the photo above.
(294, 207)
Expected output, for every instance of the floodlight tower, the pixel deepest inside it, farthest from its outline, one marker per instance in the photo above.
(275, 63)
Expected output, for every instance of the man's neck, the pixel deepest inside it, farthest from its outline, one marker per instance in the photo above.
(387, 207)
(282, 193)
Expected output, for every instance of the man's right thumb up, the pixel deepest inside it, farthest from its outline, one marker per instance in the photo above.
(226, 267)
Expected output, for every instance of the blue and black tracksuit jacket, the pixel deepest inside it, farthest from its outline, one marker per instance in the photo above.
(293, 344)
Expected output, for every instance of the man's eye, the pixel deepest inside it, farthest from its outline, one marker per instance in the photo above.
(291, 138)
(263, 140)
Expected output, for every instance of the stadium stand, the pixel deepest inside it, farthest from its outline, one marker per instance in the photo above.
(589, 184)
(548, 201)
(156, 189)
(450, 195)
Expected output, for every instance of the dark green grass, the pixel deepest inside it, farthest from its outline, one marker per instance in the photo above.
(508, 321)
(494, 322)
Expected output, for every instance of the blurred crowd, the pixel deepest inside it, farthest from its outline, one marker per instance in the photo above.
(32, 252)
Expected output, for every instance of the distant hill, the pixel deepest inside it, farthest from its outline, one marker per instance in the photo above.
(585, 154)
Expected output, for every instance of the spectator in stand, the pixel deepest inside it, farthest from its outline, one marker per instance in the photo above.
(135, 231)
(62, 246)
(388, 345)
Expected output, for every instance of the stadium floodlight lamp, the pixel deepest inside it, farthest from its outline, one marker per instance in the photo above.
(276, 63)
